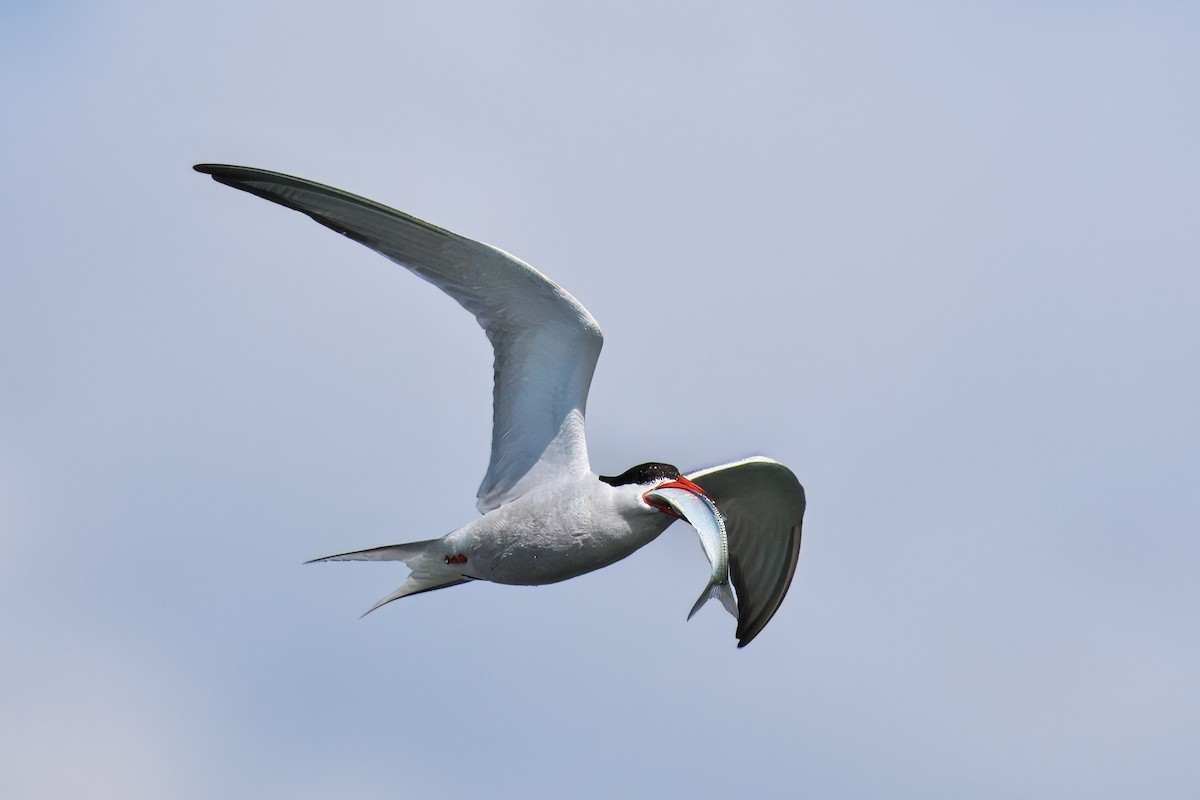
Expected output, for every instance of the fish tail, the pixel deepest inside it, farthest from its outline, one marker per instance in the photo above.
(722, 591)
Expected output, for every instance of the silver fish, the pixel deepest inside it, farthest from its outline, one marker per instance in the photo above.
(701, 513)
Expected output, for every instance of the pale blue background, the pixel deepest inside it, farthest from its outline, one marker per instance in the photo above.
(942, 260)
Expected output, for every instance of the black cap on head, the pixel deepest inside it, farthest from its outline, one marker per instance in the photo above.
(649, 472)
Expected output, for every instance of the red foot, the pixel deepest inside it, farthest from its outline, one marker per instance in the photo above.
(461, 558)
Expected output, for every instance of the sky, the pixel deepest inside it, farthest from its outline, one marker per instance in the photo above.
(941, 259)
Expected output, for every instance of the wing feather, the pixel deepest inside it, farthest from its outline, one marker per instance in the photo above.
(545, 342)
(763, 503)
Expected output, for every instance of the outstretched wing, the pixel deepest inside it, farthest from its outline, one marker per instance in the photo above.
(545, 342)
(763, 505)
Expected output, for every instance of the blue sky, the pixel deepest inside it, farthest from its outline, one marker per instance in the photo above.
(942, 261)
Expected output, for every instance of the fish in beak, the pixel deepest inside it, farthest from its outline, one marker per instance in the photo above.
(686, 500)
(676, 483)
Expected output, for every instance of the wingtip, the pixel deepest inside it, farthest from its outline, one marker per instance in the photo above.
(223, 173)
(747, 636)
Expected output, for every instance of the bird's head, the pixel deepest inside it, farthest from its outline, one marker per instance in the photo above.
(653, 476)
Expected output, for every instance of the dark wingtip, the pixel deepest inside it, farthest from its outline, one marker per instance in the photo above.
(225, 173)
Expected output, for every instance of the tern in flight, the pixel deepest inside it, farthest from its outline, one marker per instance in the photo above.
(546, 516)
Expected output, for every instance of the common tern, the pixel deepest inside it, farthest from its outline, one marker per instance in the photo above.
(546, 516)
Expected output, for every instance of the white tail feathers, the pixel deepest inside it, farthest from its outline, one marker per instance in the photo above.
(723, 592)
(427, 562)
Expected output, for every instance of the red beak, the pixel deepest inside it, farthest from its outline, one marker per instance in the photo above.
(679, 483)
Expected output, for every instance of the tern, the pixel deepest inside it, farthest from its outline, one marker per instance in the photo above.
(546, 516)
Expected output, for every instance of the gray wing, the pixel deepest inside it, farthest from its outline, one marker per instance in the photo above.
(545, 342)
(764, 508)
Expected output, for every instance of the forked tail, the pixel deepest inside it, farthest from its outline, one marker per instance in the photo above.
(723, 592)
(429, 568)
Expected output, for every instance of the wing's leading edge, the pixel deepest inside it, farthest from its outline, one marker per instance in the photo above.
(546, 343)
